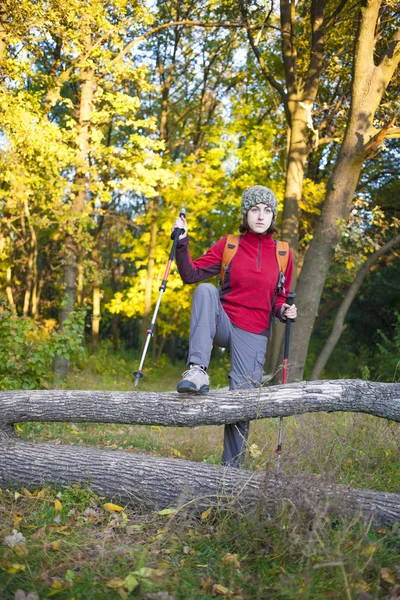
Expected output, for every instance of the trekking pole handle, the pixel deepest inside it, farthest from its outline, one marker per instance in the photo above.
(290, 301)
(174, 234)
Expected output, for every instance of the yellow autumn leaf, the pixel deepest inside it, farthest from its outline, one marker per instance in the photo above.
(55, 545)
(206, 513)
(219, 589)
(57, 506)
(254, 450)
(57, 585)
(115, 583)
(18, 428)
(15, 567)
(177, 453)
(230, 559)
(388, 575)
(112, 507)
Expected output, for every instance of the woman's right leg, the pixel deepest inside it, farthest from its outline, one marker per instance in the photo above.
(208, 324)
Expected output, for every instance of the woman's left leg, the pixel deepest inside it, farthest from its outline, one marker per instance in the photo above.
(247, 362)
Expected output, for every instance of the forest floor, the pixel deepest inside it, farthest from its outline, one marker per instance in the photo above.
(71, 543)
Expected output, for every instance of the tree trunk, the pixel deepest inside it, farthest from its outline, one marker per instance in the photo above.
(9, 292)
(215, 408)
(153, 210)
(153, 482)
(368, 85)
(338, 325)
(31, 276)
(97, 294)
(154, 203)
(3, 33)
(115, 331)
(61, 364)
(296, 160)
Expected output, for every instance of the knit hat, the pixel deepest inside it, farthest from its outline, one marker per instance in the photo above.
(258, 194)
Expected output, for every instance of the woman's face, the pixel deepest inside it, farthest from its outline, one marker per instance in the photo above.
(259, 218)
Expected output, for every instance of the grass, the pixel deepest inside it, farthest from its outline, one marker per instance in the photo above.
(79, 549)
(74, 547)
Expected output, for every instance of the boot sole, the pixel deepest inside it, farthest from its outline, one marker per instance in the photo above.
(187, 387)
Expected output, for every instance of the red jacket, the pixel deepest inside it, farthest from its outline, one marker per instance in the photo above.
(248, 294)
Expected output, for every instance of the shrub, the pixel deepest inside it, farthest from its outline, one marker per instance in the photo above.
(28, 348)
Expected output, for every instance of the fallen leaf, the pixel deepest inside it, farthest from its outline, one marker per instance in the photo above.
(231, 559)
(206, 513)
(132, 528)
(220, 590)
(388, 575)
(254, 450)
(20, 595)
(57, 506)
(113, 507)
(55, 546)
(395, 593)
(16, 538)
(57, 585)
(131, 582)
(116, 583)
(167, 511)
(144, 572)
(15, 568)
(39, 534)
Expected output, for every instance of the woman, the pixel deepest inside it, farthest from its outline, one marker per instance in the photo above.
(238, 316)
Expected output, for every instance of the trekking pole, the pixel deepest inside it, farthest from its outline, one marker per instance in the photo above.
(174, 236)
(290, 299)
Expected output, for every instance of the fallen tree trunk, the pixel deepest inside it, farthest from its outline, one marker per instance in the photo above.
(215, 408)
(153, 482)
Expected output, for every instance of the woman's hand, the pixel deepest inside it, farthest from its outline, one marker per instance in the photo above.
(288, 311)
(180, 223)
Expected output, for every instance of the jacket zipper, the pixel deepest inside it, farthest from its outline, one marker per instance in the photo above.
(259, 255)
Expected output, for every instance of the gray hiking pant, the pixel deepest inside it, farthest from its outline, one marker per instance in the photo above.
(209, 324)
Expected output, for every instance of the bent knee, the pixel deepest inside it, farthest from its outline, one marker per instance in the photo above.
(206, 288)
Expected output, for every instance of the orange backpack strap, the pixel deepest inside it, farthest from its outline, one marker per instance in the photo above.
(282, 256)
(231, 246)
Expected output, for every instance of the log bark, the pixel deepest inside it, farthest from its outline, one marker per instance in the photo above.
(215, 408)
(152, 482)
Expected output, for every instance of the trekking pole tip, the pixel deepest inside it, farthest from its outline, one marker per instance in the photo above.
(138, 375)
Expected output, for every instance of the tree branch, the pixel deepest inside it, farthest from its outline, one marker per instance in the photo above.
(264, 69)
(183, 23)
(391, 58)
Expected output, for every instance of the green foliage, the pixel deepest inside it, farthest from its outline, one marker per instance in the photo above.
(27, 348)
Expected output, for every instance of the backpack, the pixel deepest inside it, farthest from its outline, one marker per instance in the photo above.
(282, 257)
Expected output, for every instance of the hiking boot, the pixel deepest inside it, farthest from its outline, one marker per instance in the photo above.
(194, 380)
